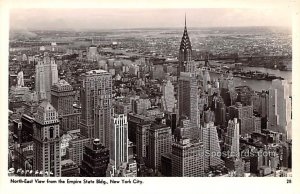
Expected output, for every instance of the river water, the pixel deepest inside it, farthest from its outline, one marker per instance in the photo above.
(259, 85)
(287, 75)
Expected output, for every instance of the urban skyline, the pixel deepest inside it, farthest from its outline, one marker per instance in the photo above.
(139, 104)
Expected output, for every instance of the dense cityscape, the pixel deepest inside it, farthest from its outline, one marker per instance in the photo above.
(191, 102)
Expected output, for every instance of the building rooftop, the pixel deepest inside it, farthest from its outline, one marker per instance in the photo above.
(45, 105)
(62, 82)
(66, 162)
(97, 71)
(167, 155)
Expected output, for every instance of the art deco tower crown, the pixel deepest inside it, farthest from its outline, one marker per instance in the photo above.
(185, 40)
(185, 53)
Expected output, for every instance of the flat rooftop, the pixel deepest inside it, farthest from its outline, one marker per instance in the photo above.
(97, 71)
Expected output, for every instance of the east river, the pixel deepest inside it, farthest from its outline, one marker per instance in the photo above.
(259, 85)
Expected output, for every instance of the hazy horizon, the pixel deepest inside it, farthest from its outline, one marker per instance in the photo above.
(105, 19)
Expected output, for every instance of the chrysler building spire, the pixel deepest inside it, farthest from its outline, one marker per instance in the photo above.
(185, 52)
(185, 20)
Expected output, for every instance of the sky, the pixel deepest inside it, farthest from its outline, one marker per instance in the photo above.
(55, 19)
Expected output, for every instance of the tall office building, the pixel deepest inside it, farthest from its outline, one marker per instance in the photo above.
(185, 54)
(134, 120)
(264, 103)
(186, 130)
(62, 99)
(168, 98)
(211, 145)
(160, 140)
(187, 158)
(46, 75)
(232, 141)
(142, 140)
(206, 81)
(76, 148)
(96, 96)
(95, 160)
(244, 114)
(119, 141)
(188, 97)
(46, 138)
(220, 113)
(280, 107)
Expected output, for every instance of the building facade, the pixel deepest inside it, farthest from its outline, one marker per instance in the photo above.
(63, 98)
(46, 138)
(142, 139)
(96, 97)
(211, 145)
(279, 112)
(188, 97)
(168, 98)
(187, 159)
(244, 114)
(160, 140)
(232, 138)
(76, 148)
(119, 141)
(95, 160)
(46, 75)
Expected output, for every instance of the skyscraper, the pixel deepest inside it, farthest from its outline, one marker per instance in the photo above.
(142, 139)
(62, 99)
(96, 96)
(206, 81)
(168, 97)
(119, 140)
(220, 112)
(46, 140)
(211, 145)
(46, 75)
(186, 130)
(232, 141)
(188, 97)
(244, 114)
(76, 148)
(185, 54)
(280, 107)
(160, 140)
(187, 158)
(95, 160)
(264, 103)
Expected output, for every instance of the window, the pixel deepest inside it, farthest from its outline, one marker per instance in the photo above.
(51, 132)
